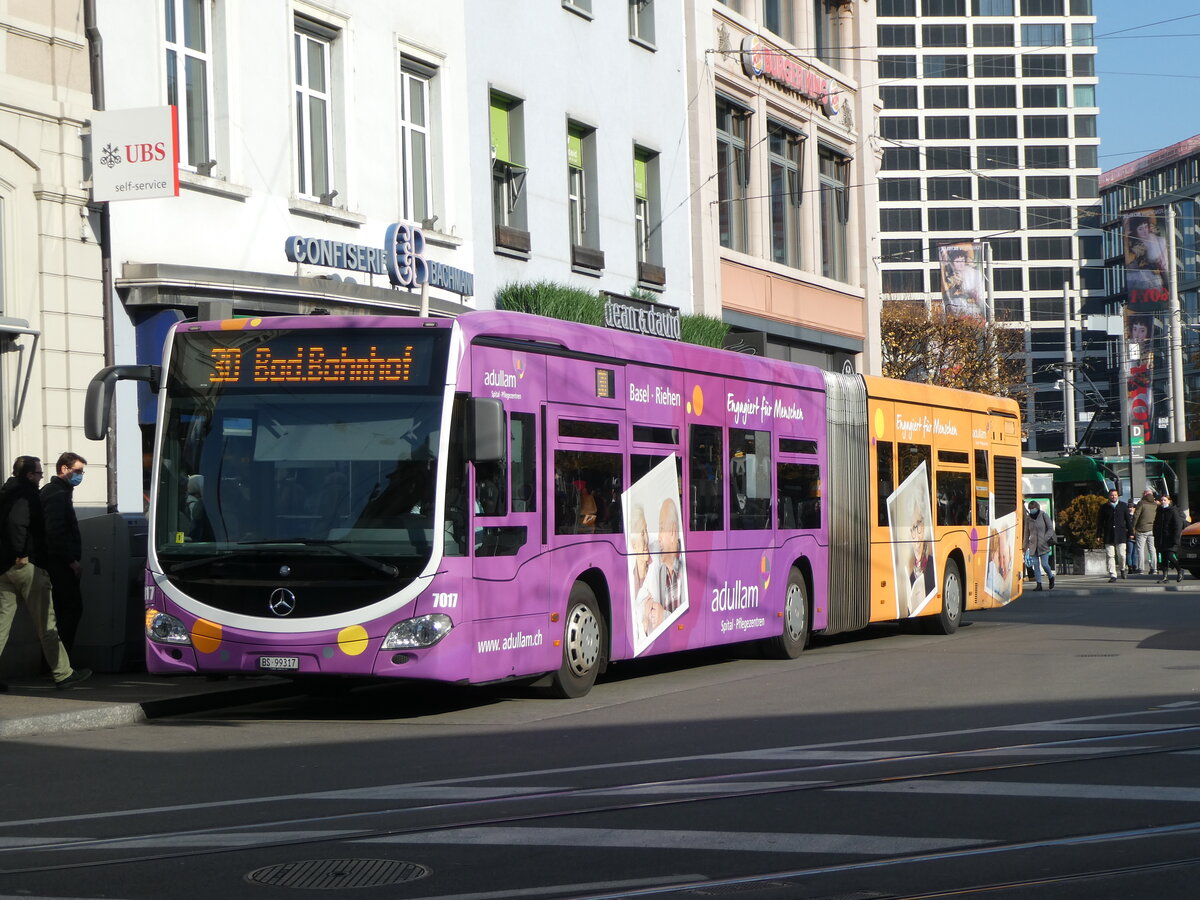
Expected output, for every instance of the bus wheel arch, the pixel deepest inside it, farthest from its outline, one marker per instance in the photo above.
(954, 599)
(585, 638)
(797, 614)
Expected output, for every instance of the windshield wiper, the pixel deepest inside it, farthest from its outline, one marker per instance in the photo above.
(385, 568)
(199, 561)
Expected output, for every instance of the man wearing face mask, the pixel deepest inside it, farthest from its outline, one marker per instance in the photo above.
(63, 545)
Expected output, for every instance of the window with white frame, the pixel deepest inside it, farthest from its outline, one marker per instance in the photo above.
(733, 173)
(647, 212)
(576, 185)
(786, 169)
(641, 21)
(313, 47)
(835, 212)
(582, 190)
(187, 40)
(415, 139)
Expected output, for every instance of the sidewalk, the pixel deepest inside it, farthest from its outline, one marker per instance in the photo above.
(34, 706)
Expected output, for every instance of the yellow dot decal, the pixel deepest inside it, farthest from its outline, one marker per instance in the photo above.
(879, 422)
(256, 322)
(352, 640)
(698, 400)
(206, 636)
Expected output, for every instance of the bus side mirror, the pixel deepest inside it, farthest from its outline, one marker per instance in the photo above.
(487, 438)
(100, 393)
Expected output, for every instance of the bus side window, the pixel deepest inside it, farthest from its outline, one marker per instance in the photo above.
(587, 488)
(491, 488)
(456, 481)
(983, 512)
(910, 457)
(799, 489)
(953, 498)
(705, 478)
(749, 480)
(523, 453)
(885, 479)
(641, 464)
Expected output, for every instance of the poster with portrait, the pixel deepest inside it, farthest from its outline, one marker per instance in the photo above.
(964, 288)
(1003, 566)
(1144, 242)
(1145, 345)
(910, 520)
(658, 591)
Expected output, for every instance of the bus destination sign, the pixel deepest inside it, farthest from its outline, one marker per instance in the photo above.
(325, 359)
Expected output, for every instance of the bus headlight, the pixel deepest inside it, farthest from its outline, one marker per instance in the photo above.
(413, 634)
(164, 629)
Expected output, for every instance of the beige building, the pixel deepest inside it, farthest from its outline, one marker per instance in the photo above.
(51, 317)
(782, 124)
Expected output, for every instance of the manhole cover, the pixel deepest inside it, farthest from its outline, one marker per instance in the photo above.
(337, 874)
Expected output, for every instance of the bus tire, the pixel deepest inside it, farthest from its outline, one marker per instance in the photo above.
(946, 621)
(791, 643)
(582, 645)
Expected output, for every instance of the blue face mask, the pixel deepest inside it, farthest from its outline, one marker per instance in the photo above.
(74, 479)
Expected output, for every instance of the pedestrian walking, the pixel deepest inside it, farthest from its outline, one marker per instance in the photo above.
(1114, 525)
(22, 543)
(64, 547)
(1168, 529)
(1039, 538)
(1143, 530)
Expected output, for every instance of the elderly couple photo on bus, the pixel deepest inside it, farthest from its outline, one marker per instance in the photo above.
(657, 577)
(910, 516)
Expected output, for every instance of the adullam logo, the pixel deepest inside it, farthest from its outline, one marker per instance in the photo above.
(697, 402)
(765, 568)
(519, 365)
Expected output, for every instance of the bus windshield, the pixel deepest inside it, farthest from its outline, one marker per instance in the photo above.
(311, 444)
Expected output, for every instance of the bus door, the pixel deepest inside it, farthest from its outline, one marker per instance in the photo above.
(584, 480)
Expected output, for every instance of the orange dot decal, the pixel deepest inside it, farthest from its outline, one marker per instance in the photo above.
(233, 324)
(698, 400)
(352, 640)
(206, 636)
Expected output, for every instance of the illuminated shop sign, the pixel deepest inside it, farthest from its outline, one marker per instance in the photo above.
(401, 258)
(761, 60)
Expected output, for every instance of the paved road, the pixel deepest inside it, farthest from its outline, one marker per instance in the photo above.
(1050, 749)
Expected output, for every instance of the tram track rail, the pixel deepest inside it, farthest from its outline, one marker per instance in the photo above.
(510, 818)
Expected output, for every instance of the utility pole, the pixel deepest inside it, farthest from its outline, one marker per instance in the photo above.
(1068, 372)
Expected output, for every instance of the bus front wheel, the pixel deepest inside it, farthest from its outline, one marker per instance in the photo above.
(946, 621)
(791, 643)
(583, 645)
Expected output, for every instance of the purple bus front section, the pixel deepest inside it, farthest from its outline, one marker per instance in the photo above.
(681, 485)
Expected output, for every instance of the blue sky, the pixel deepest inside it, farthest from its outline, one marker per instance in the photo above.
(1149, 92)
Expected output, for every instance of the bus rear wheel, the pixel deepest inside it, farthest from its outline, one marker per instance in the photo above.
(946, 621)
(791, 643)
(583, 645)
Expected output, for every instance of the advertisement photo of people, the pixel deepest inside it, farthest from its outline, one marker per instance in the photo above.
(657, 575)
(964, 288)
(1001, 574)
(910, 520)
(1145, 252)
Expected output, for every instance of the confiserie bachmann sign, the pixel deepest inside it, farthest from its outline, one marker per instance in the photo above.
(637, 316)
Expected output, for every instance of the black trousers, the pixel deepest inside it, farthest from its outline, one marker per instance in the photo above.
(68, 601)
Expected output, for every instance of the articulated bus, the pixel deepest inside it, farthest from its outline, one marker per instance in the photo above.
(503, 496)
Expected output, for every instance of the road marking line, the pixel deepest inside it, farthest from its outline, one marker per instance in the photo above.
(1034, 789)
(651, 839)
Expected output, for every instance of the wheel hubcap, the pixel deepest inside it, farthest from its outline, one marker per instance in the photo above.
(583, 640)
(795, 612)
(953, 597)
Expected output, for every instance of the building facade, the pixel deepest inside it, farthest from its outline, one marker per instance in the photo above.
(51, 334)
(1155, 201)
(990, 139)
(782, 106)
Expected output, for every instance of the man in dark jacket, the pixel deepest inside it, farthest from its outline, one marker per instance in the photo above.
(22, 544)
(1114, 525)
(64, 548)
(1168, 528)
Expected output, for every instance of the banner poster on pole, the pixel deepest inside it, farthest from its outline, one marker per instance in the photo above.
(964, 287)
(1145, 312)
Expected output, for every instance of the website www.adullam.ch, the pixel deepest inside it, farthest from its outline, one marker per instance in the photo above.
(517, 640)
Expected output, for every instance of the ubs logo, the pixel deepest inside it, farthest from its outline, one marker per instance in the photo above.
(282, 602)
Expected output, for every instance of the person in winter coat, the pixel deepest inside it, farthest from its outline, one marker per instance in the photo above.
(1168, 528)
(1143, 529)
(22, 545)
(1114, 525)
(1039, 538)
(64, 547)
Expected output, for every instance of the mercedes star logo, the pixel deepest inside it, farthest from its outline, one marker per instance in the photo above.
(282, 602)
